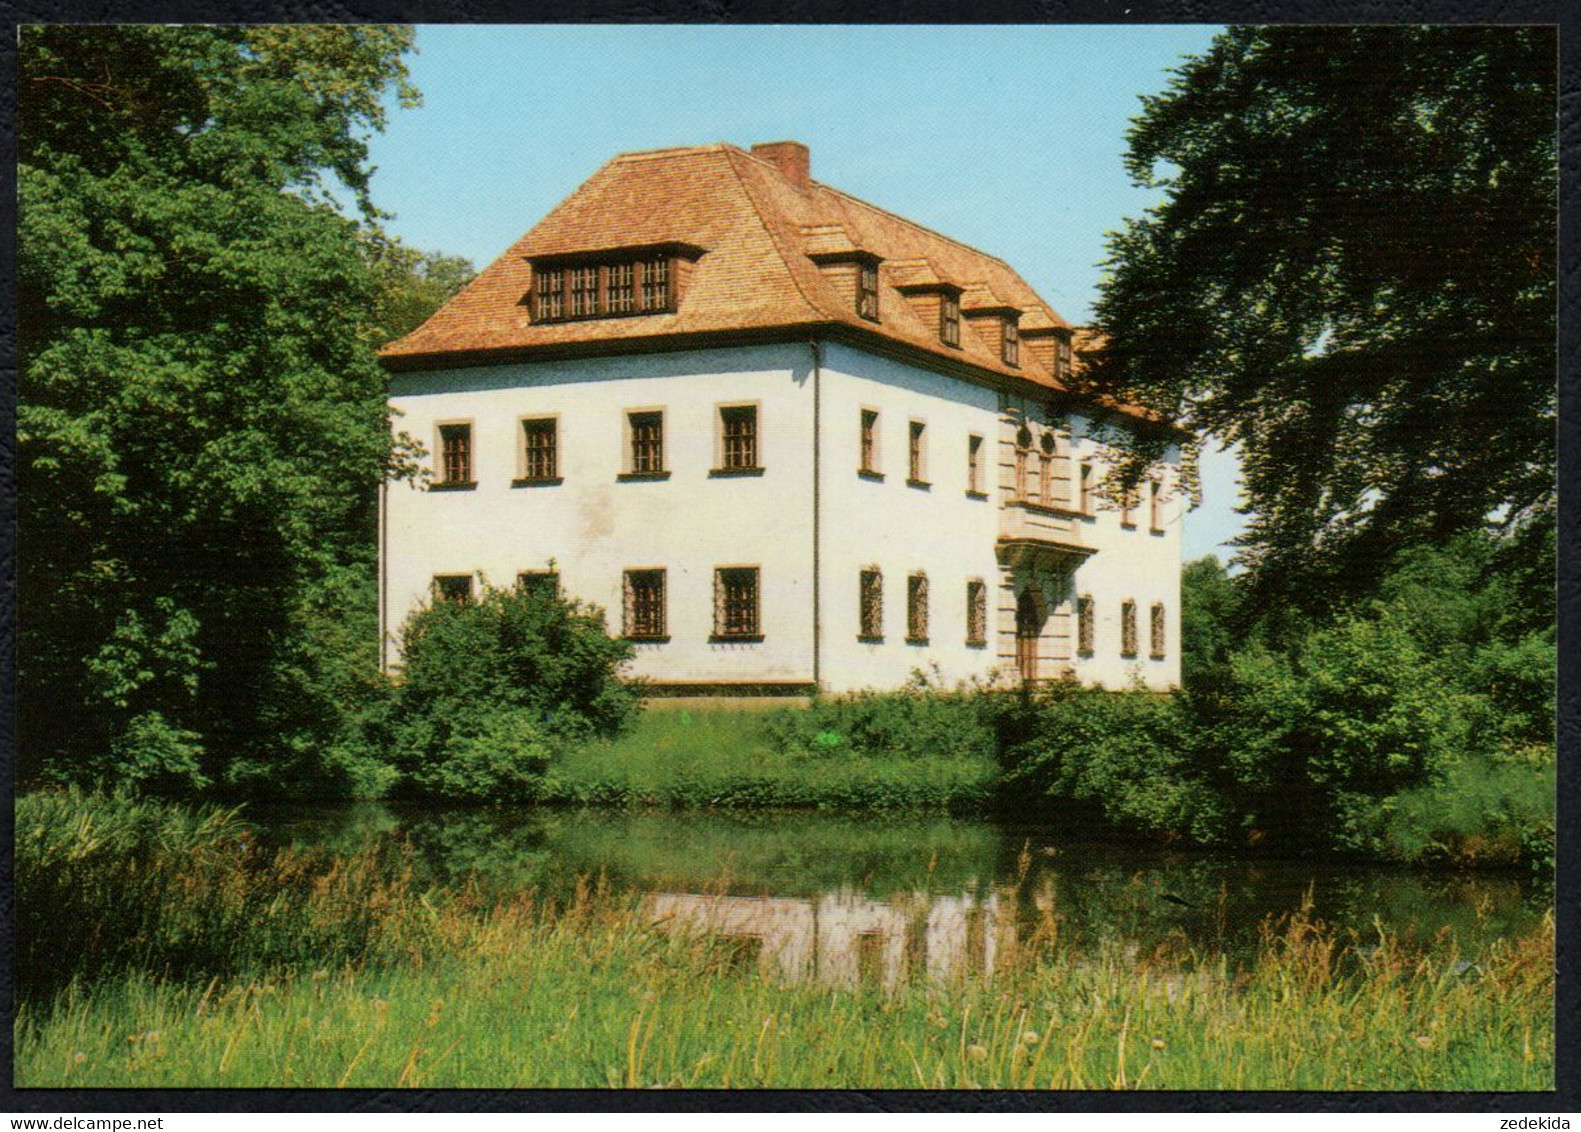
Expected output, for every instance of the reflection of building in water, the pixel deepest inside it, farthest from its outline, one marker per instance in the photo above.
(844, 938)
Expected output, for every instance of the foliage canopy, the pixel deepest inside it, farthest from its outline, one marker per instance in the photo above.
(201, 420)
(1352, 276)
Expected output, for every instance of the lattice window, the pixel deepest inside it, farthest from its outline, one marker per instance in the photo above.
(542, 584)
(644, 604)
(620, 289)
(584, 292)
(974, 463)
(871, 613)
(739, 436)
(916, 467)
(1156, 625)
(455, 444)
(1086, 625)
(1062, 356)
(1010, 343)
(455, 589)
(976, 613)
(917, 608)
(647, 442)
(950, 320)
(736, 602)
(867, 291)
(1128, 628)
(540, 449)
(656, 284)
(550, 303)
(870, 441)
(1046, 478)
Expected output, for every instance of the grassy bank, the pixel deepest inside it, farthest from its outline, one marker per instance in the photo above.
(599, 997)
(698, 759)
(162, 947)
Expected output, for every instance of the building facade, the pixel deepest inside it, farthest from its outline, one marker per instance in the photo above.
(786, 440)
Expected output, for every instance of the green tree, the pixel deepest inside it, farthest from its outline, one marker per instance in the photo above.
(1208, 603)
(201, 420)
(1351, 276)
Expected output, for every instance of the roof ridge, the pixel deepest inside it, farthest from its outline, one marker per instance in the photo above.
(730, 151)
(668, 151)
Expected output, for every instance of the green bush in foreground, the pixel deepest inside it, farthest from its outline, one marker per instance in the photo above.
(492, 687)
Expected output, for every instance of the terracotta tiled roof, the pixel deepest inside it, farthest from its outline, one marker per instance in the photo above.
(758, 231)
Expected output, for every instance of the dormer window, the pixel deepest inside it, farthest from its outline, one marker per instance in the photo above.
(950, 319)
(1010, 343)
(1062, 356)
(609, 285)
(867, 291)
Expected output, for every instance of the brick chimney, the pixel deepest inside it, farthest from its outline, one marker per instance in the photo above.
(790, 157)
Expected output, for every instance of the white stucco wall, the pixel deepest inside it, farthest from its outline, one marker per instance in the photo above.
(902, 528)
(593, 526)
(1137, 564)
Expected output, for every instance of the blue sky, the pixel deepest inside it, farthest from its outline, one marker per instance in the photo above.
(1009, 138)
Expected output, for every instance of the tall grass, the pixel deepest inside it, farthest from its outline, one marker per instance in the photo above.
(599, 996)
(110, 883)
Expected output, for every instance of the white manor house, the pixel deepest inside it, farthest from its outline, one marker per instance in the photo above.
(786, 439)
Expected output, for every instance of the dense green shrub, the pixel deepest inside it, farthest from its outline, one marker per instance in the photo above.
(491, 687)
(922, 719)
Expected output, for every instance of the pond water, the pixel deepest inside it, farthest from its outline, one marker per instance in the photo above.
(807, 893)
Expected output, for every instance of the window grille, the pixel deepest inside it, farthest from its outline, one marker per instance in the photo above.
(1156, 617)
(950, 320)
(976, 613)
(647, 442)
(1085, 625)
(620, 293)
(739, 426)
(455, 442)
(644, 604)
(551, 295)
(917, 608)
(584, 292)
(867, 291)
(540, 456)
(543, 584)
(872, 604)
(736, 602)
(1086, 489)
(1128, 628)
(592, 290)
(455, 589)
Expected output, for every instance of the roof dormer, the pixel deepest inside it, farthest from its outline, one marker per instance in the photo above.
(934, 299)
(1047, 341)
(611, 283)
(848, 267)
(994, 321)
